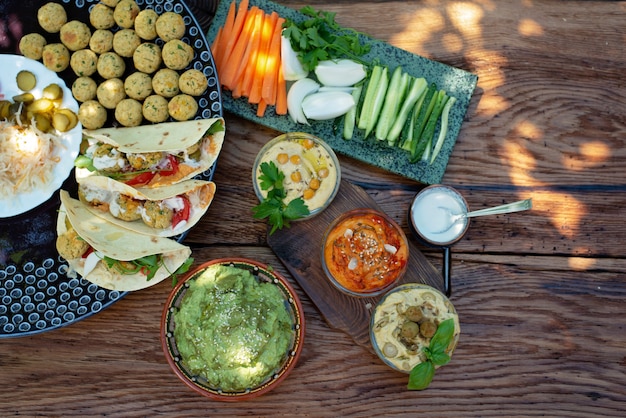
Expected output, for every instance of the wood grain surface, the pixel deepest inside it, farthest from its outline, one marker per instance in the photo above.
(540, 294)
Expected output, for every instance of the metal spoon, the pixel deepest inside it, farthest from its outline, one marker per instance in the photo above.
(507, 208)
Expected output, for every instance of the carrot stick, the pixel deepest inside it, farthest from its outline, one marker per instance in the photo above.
(281, 92)
(227, 31)
(238, 77)
(262, 106)
(259, 68)
(236, 31)
(268, 90)
(255, 41)
(236, 58)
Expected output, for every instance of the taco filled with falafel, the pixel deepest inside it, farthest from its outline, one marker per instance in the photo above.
(152, 155)
(165, 211)
(113, 257)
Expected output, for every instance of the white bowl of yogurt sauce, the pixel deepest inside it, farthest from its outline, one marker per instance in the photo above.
(430, 215)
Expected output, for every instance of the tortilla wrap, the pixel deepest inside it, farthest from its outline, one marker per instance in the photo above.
(119, 244)
(100, 194)
(171, 138)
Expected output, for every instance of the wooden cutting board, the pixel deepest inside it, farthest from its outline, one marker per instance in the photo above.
(299, 248)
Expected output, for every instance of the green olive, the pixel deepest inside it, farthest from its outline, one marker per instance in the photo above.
(413, 313)
(409, 330)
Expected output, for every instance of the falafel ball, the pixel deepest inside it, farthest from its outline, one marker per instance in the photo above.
(84, 62)
(182, 107)
(170, 26)
(155, 109)
(31, 45)
(128, 112)
(111, 92)
(51, 16)
(145, 24)
(55, 57)
(92, 115)
(75, 35)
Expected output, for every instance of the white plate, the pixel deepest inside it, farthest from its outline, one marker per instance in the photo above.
(67, 152)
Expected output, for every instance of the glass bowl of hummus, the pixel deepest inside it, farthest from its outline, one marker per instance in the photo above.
(310, 167)
(232, 329)
(364, 252)
(404, 321)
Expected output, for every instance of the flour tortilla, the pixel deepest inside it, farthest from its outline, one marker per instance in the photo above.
(199, 192)
(117, 243)
(170, 137)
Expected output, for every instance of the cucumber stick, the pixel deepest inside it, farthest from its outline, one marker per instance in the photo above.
(368, 99)
(393, 99)
(373, 104)
(443, 130)
(418, 146)
(416, 90)
(409, 136)
(438, 102)
(350, 118)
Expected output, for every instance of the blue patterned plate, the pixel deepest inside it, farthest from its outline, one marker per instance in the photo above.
(35, 293)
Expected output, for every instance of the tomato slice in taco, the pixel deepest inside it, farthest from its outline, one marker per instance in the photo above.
(152, 155)
(165, 211)
(113, 257)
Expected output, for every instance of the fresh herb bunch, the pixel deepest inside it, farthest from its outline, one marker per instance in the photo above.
(273, 206)
(436, 355)
(320, 38)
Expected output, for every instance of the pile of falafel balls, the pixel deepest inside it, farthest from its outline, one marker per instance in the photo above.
(128, 62)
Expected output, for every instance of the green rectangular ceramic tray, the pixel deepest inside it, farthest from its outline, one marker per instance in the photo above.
(456, 82)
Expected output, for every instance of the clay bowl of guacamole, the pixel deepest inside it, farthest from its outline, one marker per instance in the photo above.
(232, 329)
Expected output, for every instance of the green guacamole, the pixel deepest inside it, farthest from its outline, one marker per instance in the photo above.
(232, 329)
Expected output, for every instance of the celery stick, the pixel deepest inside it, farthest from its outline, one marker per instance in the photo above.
(350, 117)
(443, 130)
(393, 96)
(418, 85)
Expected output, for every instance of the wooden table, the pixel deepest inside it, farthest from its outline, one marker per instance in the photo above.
(540, 294)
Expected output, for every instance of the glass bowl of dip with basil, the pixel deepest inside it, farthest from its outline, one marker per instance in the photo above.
(232, 329)
(308, 165)
(404, 322)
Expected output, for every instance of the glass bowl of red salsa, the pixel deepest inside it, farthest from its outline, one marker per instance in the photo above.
(364, 252)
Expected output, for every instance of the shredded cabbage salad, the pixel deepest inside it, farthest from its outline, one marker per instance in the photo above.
(27, 157)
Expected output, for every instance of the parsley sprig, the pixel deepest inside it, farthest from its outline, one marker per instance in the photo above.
(273, 206)
(320, 38)
(422, 374)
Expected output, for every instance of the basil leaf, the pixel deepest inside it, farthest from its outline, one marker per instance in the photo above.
(439, 358)
(421, 376)
(443, 336)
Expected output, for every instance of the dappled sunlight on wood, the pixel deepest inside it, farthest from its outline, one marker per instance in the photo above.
(564, 210)
(581, 263)
(529, 130)
(452, 42)
(591, 154)
(528, 27)
(466, 18)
